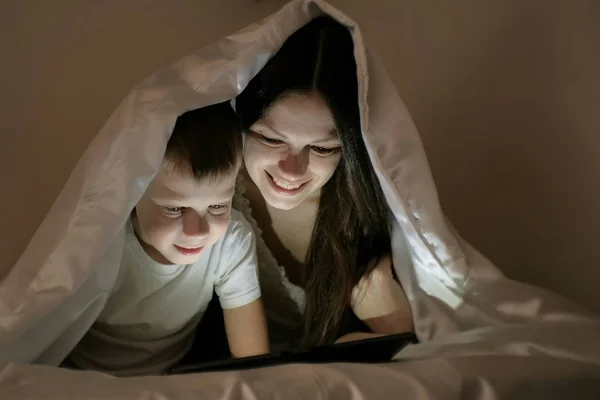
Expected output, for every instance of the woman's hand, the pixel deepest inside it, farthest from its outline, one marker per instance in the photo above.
(379, 300)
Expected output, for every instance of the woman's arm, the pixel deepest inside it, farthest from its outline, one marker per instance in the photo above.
(379, 301)
(246, 329)
(397, 322)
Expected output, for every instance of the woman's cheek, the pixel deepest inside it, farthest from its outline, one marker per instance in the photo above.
(250, 153)
(257, 153)
(325, 166)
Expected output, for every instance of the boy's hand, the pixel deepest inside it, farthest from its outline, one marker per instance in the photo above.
(380, 302)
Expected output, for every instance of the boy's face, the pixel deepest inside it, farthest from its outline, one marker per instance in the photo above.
(178, 216)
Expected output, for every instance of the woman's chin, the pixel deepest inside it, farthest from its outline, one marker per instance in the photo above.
(280, 202)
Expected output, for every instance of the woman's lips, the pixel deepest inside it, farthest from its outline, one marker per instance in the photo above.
(284, 188)
(187, 251)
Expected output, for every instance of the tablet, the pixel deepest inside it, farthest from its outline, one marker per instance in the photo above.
(374, 350)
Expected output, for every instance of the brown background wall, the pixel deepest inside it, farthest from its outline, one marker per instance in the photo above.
(506, 95)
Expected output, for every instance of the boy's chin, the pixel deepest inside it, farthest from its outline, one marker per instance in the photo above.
(183, 260)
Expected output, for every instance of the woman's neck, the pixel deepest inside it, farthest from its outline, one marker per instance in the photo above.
(287, 233)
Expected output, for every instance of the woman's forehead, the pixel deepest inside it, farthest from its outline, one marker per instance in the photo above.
(300, 115)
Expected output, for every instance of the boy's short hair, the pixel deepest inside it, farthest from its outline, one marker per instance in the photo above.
(206, 142)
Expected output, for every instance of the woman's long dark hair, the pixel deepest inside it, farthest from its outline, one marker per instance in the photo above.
(352, 223)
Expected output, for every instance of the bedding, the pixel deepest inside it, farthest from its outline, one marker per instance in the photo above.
(482, 336)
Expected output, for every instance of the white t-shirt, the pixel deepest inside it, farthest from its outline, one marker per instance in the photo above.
(149, 321)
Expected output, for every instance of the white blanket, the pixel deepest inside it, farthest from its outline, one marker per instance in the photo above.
(483, 336)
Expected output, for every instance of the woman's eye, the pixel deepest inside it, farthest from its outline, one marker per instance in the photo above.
(323, 151)
(269, 140)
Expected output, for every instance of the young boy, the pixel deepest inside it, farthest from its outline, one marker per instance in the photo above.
(182, 241)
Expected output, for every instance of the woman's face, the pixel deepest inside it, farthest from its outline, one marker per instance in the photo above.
(293, 151)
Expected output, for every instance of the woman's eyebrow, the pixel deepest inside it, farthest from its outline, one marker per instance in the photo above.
(333, 138)
(266, 127)
(332, 141)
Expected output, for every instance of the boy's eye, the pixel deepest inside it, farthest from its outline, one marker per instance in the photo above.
(173, 210)
(323, 151)
(218, 208)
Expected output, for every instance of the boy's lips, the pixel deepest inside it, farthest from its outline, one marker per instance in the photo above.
(189, 251)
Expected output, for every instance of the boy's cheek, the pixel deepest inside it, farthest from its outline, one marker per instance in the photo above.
(158, 231)
(220, 228)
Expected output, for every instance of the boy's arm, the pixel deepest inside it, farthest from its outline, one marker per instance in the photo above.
(239, 292)
(246, 329)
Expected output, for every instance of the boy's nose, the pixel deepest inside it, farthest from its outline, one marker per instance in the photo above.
(195, 225)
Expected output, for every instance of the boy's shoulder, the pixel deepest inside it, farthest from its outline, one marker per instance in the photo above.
(237, 242)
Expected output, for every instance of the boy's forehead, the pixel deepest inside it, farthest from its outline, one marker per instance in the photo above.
(182, 186)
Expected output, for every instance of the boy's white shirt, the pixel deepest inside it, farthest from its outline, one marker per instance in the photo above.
(149, 320)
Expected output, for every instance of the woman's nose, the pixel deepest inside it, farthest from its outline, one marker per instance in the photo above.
(195, 225)
(295, 164)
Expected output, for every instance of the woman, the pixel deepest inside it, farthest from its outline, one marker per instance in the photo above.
(311, 193)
